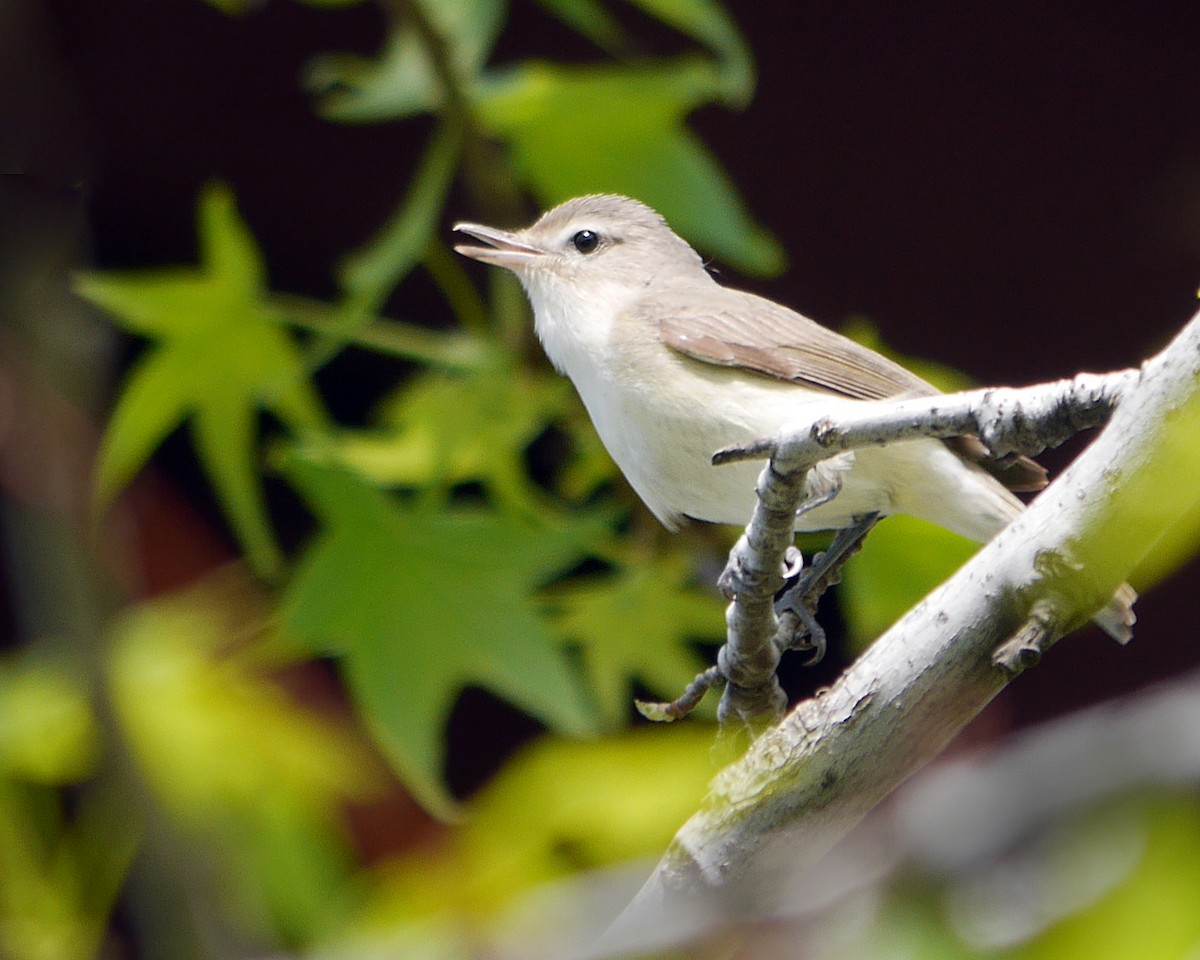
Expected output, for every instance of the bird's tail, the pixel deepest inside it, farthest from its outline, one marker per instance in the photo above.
(980, 507)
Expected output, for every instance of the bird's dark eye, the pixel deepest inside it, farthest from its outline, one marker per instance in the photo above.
(586, 241)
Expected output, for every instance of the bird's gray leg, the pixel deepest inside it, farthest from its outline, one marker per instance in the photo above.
(796, 604)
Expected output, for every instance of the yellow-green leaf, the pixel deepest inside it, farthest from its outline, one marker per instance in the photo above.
(219, 356)
(232, 757)
(639, 625)
(442, 429)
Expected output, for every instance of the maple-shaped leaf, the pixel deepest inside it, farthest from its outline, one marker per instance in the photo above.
(636, 625)
(444, 429)
(419, 603)
(218, 357)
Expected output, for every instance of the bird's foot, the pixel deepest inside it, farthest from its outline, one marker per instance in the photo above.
(796, 604)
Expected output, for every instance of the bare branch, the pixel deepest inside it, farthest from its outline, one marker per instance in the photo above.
(805, 782)
(1009, 420)
(1024, 420)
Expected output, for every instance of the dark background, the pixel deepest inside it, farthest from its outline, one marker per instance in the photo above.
(1013, 189)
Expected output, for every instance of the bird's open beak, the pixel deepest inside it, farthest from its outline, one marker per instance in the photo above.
(504, 249)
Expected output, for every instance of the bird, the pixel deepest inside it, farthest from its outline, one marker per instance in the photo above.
(672, 366)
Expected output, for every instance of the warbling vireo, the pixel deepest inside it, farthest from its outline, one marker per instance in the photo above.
(673, 367)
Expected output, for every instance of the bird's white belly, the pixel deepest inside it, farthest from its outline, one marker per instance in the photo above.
(664, 445)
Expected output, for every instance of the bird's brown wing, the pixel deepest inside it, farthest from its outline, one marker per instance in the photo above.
(735, 329)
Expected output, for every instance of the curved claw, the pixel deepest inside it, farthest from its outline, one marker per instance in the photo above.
(793, 562)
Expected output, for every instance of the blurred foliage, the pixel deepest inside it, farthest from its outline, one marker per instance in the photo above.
(442, 555)
(441, 558)
(219, 355)
(1113, 883)
(414, 594)
(233, 758)
(597, 804)
(382, 581)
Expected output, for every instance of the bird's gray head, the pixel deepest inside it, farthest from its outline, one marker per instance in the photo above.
(587, 244)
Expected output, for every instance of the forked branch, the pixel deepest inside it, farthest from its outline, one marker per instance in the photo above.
(805, 782)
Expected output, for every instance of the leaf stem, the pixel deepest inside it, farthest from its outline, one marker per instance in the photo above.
(486, 173)
(392, 338)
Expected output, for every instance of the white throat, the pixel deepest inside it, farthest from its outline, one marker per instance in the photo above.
(576, 325)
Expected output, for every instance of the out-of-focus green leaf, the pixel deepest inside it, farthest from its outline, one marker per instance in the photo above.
(233, 757)
(578, 130)
(704, 20)
(441, 430)
(392, 338)
(557, 808)
(708, 22)
(1179, 544)
(402, 81)
(903, 559)
(1162, 491)
(1152, 915)
(234, 7)
(219, 357)
(422, 603)
(59, 878)
(635, 626)
(591, 19)
(369, 275)
(1159, 499)
(47, 730)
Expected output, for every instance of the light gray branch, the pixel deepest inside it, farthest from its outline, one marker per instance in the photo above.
(1009, 420)
(805, 782)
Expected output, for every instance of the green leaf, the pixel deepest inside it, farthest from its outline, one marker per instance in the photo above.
(422, 603)
(60, 876)
(1152, 915)
(371, 274)
(903, 559)
(557, 808)
(231, 757)
(589, 18)
(47, 731)
(402, 81)
(703, 20)
(637, 626)
(707, 22)
(219, 356)
(156, 397)
(441, 430)
(631, 120)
